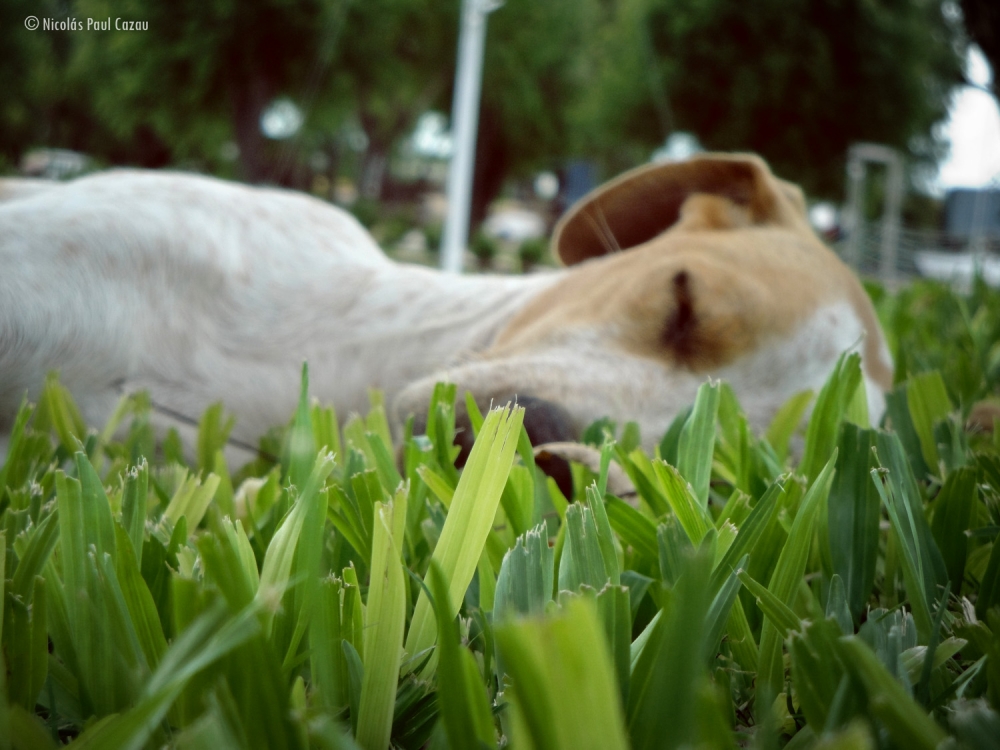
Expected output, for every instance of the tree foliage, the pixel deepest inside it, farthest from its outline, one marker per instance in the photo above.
(797, 82)
(604, 80)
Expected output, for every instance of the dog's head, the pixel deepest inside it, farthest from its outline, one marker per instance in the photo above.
(678, 272)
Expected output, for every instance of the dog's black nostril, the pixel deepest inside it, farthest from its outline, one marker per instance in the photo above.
(558, 468)
(544, 421)
(548, 422)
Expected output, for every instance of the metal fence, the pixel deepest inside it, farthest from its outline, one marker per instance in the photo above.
(921, 254)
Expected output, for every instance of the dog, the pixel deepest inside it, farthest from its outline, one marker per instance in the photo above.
(199, 290)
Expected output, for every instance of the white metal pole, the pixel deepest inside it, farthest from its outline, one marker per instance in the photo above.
(465, 121)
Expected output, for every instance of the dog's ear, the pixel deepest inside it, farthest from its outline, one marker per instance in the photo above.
(710, 191)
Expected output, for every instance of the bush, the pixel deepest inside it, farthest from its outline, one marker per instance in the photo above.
(485, 249)
(531, 253)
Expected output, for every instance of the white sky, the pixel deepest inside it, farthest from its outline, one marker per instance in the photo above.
(974, 132)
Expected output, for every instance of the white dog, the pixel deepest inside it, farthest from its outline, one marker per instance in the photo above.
(200, 290)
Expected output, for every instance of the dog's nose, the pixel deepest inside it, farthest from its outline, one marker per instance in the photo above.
(544, 421)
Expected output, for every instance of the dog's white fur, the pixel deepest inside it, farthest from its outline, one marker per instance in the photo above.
(202, 290)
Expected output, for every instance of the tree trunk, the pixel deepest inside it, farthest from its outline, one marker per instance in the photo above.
(249, 97)
(373, 172)
(492, 166)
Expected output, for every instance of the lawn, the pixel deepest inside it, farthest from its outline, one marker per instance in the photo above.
(829, 583)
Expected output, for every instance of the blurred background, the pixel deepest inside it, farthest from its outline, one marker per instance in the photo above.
(350, 100)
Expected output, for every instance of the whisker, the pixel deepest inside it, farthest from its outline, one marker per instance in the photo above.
(603, 231)
(616, 248)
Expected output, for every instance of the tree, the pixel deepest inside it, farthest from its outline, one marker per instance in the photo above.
(29, 70)
(794, 81)
(532, 77)
(394, 62)
(982, 20)
(205, 71)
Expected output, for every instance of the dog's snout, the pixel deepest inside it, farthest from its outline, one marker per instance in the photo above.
(544, 421)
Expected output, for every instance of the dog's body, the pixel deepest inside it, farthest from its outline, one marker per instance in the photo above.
(200, 290)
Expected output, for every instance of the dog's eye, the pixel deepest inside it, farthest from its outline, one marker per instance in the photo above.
(678, 333)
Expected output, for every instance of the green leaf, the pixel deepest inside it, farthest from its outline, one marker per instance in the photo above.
(524, 585)
(470, 517)
(786, 421)
(464, 706)
(816, 670)
(41, 541)
(779, 614)
(605, 537)
(788, 574)
(326, 658)
(213, 432)
(134, 496)
(697, 442)
(831, 406)
(633, 527)
(582, 562)
(300, 449)
(141, 607)
(277, 567)
(693, 516)
(326, 432)
(923, 567)
(563, 694)
(385, 618)
(928, 400)
(192, 500)
(953, 510)
(751, 531)
(661, 702)
(854, 511)
(989, 590)
(718, 613)
(888, 701)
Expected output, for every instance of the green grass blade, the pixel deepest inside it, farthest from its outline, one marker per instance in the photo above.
(300, 447)
(779, 614)
(633, 527)
(141, 608)
(213, 431)
(693, 516)
(563, 694)
(385, 619)
(277, 567)
(697, 442)
(953, 511)
(582, 562)
(192, 500)
(524, 584)
(788, 574)
(786, 422)
(326, 659)
(35, 555)
(134, 507)
(831, 406)
(671, 666)
(464, 706)
(928, 400)
(470, 517)
(906, 722)
(923, 567)
(854, 511)
(816, 670)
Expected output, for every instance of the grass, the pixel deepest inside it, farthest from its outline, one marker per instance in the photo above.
(845, 595)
